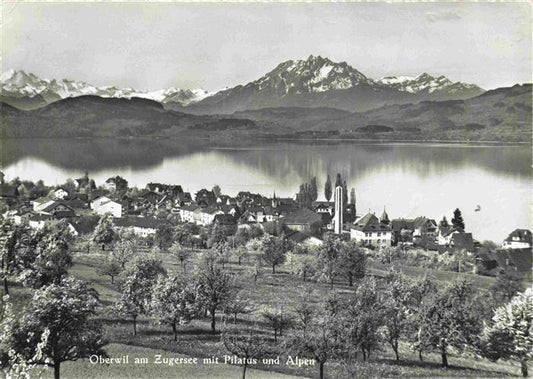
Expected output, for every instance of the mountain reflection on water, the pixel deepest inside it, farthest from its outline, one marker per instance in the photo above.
(408, 179)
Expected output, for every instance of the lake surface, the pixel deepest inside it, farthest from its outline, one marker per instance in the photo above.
(408, 179)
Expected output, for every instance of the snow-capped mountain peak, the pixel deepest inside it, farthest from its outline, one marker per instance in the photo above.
(315, 74)
(17, 83)
(425, 83)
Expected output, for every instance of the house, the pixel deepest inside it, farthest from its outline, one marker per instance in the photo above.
(104, 204)
(59, 193)
(187, 213)
(41, 203)
(207, 215)
(323, 207)
(58, 209)
(116, 183)
(141, 226)
(370, 231)
(518, 239)
(424, 227)
(183, 199)
(303, 220)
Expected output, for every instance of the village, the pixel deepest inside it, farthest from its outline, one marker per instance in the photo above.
(81, 203)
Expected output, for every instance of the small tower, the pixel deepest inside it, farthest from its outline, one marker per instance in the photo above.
(385, 217)
(339, 208)
(274, 201)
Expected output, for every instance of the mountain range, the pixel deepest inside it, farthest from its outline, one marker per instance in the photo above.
(312, 98)
(314, 82)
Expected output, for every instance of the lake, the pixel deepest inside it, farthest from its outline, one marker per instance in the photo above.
(409, 180)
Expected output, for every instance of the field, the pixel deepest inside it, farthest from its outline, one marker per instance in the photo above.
(280, 289)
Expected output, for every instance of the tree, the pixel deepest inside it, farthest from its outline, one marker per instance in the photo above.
(50, 259)
(344, 193)
(62, 310)
(304, 312)
(278, 320)
(274, 250)
(110, 267)
(399, 300)
(322, 340)
(328, 258)
(124, 251)
(216, 190)
(352, 196)
(327, 189)
(301, 265)
(238, 304)
(338, 180)
(313, 189)
(182, 253)
(457, 220)
(507, 285)
(136, 288)
(164, 236)
(449, 318)
(13, 236)
(104, 232)
(246, 345)
(509, 336)
(352, 261)
(364, 312)
(174, 301)
(214, 288)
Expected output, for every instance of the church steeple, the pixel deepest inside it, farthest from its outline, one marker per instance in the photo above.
(385, 217)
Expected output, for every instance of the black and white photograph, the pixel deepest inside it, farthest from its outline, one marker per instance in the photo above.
(266, 190)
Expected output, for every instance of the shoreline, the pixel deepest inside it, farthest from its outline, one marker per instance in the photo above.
(288, 139)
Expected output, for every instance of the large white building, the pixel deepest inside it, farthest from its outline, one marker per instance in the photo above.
(370, 231)
(103, 205)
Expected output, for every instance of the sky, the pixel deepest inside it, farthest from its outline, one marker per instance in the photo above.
(149, 46)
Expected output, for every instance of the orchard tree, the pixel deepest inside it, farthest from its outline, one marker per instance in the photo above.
(322, 340)
(164, 236)
(12, 238)
(327, 189)
(174, 301)
(180, 252)
(398, 308)
(110, 267)
(247, 345)
(214, 288)
(124, 251)
(50, 259)
(506, 286)
(274, 250)
(278, 320)
(363, 316)
(510, 336)
(236, 305)
(61, 311)
(138, 281)
(104, 232)
(352, 261)
(450, 318)
(457, 220)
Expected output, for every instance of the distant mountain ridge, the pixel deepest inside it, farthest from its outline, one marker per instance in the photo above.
(313, 82)
(503, 114)
(27, 91)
